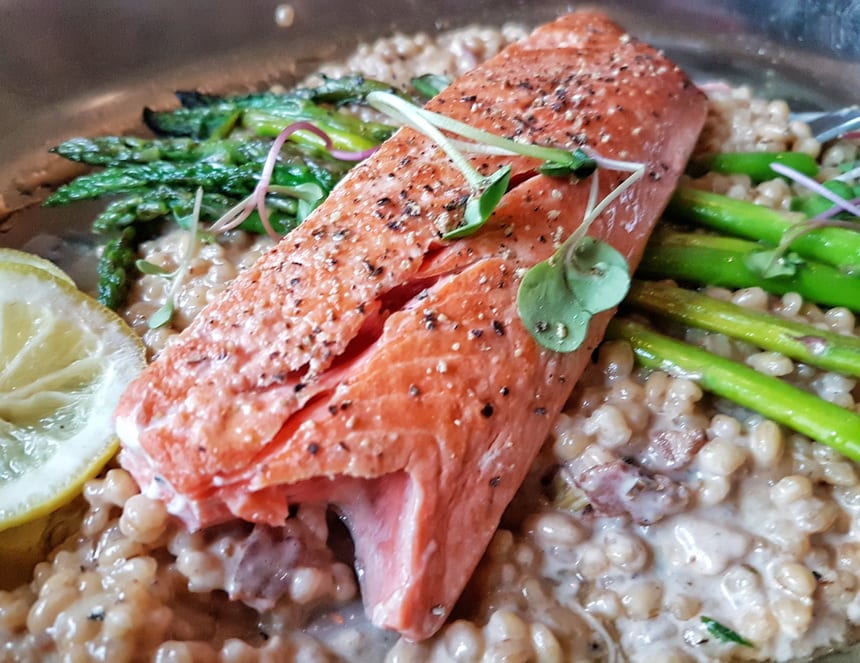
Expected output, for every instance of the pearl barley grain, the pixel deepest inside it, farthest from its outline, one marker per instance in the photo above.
(721, 457)
(143, 519)
(790, 489)
(795, 578)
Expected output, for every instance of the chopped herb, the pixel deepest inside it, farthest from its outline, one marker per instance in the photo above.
(724, 633)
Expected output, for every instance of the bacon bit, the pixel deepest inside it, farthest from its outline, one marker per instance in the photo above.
(619, 488)
(672, 449)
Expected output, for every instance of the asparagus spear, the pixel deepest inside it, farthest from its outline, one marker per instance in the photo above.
(161, 202)
(155, 203)
(722, 261)
(114, 267)
(756, 165)
(340, 90)
(347, 132)
(343, 89)
(204, 116)
(118, 150)
(799, 341)
(834, 246)
(235, 181)
(816, 204)
(822, 421)
(429, 85)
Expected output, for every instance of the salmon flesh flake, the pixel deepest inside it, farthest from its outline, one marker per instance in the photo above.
(366, 363)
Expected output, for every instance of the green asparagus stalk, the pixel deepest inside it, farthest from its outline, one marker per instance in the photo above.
(722, 261)
(343, 90)
(114, 269)
(154, 204)
(802, 342)
(429, 85)
(339, 91)
(834, 246)
(207, 116)
(820, 420)
(816, 204)
(346, 131)
(119, 150)
(756, 165)
(234, 181)
(150, 205)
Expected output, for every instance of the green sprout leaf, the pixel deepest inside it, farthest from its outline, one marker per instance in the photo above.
(162, 316)
(770, 263)
(429, 85)
(558, 297)
(724, 633)
(549, 311)
(146, 267)
(597, 274)
(482, 203)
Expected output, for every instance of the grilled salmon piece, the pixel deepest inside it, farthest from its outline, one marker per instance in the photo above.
(366, 363)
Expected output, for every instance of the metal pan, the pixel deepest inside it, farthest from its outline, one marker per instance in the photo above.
(85, 67)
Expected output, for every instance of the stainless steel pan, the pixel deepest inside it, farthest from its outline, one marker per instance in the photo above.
(90, 65)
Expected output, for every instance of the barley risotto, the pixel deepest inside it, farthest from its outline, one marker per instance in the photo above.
(759, 531)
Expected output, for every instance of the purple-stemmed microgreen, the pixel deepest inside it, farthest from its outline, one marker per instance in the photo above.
(309, 195)
(778, 261)
(165, 313)
(853, 173)
(816, 187)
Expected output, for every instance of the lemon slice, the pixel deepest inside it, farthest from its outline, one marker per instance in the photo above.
(64, 361)
(24, 258)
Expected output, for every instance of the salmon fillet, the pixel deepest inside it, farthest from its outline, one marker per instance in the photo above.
(366, 363)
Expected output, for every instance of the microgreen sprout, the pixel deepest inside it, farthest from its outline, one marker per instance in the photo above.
(486, 191)
(309, 195)
(558, 297)
(812, 185)
(165, 313)
(853, 173)
(778, 262)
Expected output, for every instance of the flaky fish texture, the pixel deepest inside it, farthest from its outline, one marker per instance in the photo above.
(366, 363)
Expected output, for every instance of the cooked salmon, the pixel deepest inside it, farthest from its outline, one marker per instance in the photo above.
(366, 363)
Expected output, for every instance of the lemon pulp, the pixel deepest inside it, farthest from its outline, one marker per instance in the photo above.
(64, 362)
